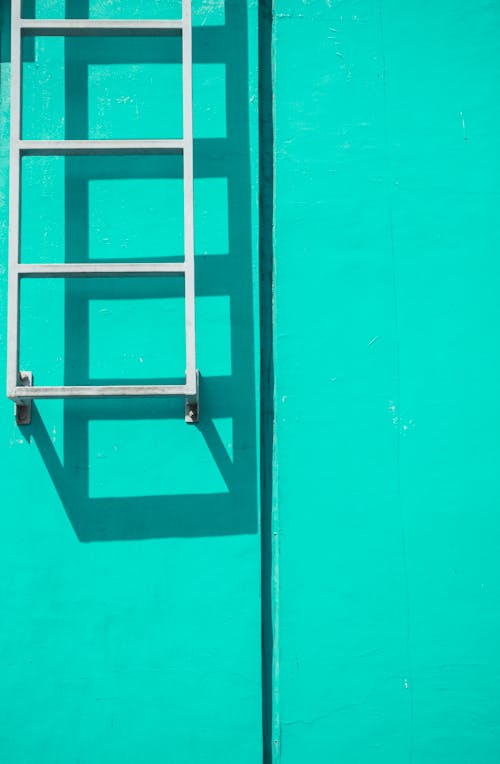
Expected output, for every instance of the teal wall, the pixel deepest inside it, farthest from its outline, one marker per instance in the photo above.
(130, 552)
(387, 364)
(131, 559)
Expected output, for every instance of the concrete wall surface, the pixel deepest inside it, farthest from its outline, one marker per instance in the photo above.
(387, 367)
(130, 552)
(311, 573)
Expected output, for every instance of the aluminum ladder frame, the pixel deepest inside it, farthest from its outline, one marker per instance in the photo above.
(20, 387)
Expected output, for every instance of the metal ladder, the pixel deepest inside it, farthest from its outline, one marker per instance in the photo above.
(20, 387)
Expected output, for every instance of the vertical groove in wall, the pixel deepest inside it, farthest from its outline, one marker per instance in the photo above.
(266, 259)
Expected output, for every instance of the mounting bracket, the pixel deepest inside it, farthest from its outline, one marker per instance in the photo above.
(192, 405)
(23, 406)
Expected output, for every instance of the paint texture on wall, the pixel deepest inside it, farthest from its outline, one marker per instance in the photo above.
(130, 553)
(387, 364)
(129, 545)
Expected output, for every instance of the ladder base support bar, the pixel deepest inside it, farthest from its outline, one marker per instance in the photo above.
(69, 270)
(22, 393)
(107, 27)
(101, 147)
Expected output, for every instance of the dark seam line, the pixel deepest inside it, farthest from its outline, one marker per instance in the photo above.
(266, 220)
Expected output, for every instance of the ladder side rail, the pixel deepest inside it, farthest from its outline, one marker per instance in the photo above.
(14, 197)
(187, 113)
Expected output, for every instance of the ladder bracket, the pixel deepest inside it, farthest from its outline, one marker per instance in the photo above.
(192, 404)
(23, 407)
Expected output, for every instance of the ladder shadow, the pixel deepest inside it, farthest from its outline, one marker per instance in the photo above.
(230, 275)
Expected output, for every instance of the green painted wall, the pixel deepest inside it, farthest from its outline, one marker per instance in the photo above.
(130, 553)
(386, 357)
(130, 547)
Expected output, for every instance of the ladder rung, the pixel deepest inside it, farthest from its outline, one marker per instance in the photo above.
(58, 148)
(98, 391)
(67, 27)
(67, 270)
